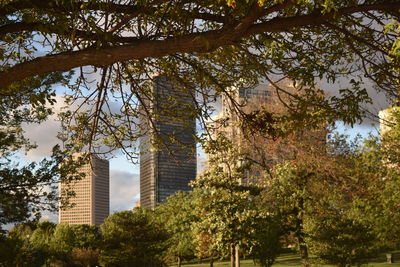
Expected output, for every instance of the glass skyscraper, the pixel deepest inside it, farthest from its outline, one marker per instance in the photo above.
(168, 146)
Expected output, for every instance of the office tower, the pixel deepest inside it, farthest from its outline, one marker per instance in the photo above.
(167, 147)
(228, 121)
(92, 194)
(239, 99)
(387, 119)
(261, 104)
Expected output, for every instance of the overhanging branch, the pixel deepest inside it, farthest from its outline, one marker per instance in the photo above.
(191, 43)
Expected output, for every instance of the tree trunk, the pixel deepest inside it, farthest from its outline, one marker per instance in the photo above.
(232, 255)
(212, 262)
(389, 258)
(179, 261)
(300, 236)
(303, 252)
(237, 258)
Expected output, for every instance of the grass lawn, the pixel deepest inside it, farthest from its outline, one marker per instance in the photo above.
(292, 259)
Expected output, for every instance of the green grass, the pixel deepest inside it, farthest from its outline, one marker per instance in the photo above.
(291, 259)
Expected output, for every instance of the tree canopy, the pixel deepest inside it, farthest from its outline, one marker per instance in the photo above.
(100, 33)
(113, 47)
(133, 238)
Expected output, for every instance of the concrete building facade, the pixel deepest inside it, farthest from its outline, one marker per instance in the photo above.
(168, 146)
(91, 203)
(243, 99)
(228, 121)
(387, 119)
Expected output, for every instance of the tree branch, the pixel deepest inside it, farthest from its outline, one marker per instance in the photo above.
(67, 6)
(68, 32)
(191, 43)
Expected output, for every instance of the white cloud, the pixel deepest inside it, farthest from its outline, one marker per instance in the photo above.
(124, 190)
(44, 135)
(49, 216)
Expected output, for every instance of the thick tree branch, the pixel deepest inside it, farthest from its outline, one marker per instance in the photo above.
(19, 27)
(105, 56)
(191, 43)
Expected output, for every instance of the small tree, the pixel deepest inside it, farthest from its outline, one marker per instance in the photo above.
(331, 198)
(40, 241)
(341, 241)
(314, 177)
(178, 217)
(225, 206)
(62, 242)
(378, 162)
(287, 195)
(266, 241)
(133, 238)
(204, 242)
(86, 236)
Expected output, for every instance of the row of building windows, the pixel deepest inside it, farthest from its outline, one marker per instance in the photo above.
(248, 93)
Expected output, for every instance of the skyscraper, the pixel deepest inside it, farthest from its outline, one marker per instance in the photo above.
(168, 147)
(243, 99)
(259, 104)
(228, 121)
(387, 119)
(92, 194)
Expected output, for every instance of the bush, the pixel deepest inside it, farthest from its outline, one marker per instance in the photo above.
(342, 242)
(267, 245)
(133, 238)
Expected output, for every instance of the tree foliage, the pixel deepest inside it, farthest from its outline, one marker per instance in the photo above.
(28, 190)
(314, 189)
(266, 240)
(226, 209)
(38, 243)
(9, 250)
(94, 33)
(133, 238)
(105, 54)
(86, 236)
(85, 256)
(378, 160)
(342, 241)
(113, 48)
(178, 216)
(62, 242)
